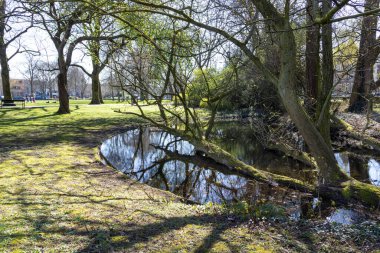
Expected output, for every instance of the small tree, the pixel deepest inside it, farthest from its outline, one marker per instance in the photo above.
(46, 73)
(30, 73)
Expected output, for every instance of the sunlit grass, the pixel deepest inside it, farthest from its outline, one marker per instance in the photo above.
(57, 197)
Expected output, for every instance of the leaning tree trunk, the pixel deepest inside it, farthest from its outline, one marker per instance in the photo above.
(329, 170)
(332, 180)
(361, 90)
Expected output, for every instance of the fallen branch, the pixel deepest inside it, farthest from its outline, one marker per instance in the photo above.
(293, 153)
(365, 139)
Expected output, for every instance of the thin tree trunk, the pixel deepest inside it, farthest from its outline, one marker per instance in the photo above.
(31, 87)
(100, 93)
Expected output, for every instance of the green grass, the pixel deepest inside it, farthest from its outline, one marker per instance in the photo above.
(52, 102)
(56, 196)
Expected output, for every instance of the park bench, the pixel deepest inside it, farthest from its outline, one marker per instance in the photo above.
(11, 102)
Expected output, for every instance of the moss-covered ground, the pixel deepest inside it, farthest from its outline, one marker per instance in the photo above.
(56, 196)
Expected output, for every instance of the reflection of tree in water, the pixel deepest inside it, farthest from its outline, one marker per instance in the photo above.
(241, 141)
(359, 168)
(167, 162)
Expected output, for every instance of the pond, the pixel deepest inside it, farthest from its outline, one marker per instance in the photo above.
(142, 154)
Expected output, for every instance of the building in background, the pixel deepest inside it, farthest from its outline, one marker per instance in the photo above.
(19, 88)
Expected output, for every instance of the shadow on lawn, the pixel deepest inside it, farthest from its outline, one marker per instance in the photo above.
(37, 216)
(101, 235)
(43, 211)
(142, 234)
(9, 121)
(86, 132)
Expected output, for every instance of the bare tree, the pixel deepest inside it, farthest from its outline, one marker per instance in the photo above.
(77, 82)
(109, 40)
(61, 20)
(30, 72)
(11, 14)
(46, 74)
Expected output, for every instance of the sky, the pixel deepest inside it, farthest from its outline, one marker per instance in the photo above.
(38, 41)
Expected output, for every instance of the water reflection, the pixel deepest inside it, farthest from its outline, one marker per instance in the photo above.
(164, 161)
(362, 168)
(167, 162)
(345, 217)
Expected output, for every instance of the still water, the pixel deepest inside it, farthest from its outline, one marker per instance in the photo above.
(142, 154)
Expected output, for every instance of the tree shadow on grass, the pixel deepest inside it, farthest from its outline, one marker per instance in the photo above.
(100, 234)
(143, 234)
(84, 132)
(11, 121)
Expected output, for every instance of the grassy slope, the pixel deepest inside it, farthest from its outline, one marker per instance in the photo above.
(57, 196)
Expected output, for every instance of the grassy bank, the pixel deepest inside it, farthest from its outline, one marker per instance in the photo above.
(56, 196)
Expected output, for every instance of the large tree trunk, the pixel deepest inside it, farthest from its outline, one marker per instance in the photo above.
(325, 89)
(3, 54)
(95, 82)
(312, 57)
(5, 71)
(64, 106)
(330, 175)
(361, 90)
